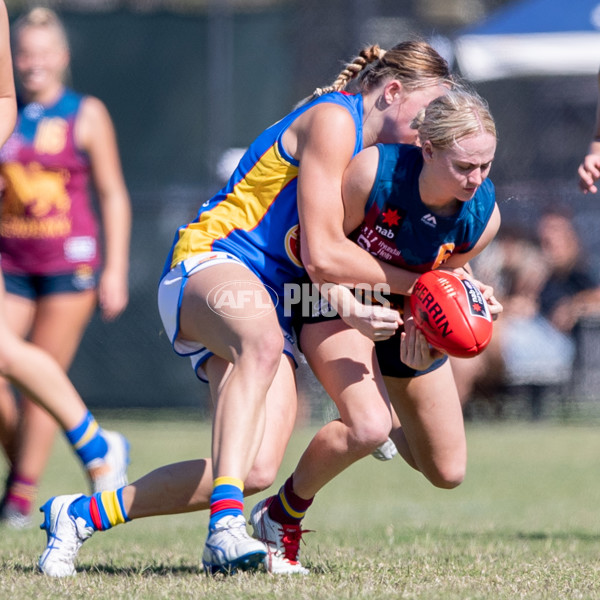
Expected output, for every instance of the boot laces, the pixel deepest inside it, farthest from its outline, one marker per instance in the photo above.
(291, 536)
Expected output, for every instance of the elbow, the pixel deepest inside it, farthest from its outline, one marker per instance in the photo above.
(314, 272)
(320, 270)
(330, 262)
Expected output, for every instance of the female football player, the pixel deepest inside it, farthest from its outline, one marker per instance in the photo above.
(104, 454)
(419, 209)
(225, 273)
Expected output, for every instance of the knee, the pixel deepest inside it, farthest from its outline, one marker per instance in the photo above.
(260, 478)
(368, 434)
(263, 355)
(448, 476)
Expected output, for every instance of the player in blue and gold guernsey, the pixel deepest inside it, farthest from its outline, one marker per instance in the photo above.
(255, 216)
(420, 209)
(280, 213)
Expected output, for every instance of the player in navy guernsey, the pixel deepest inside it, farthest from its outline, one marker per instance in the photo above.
(420, 208)
(400, 229)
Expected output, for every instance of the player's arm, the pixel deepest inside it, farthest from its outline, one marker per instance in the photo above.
(357, 184)
(332, 260)
(96, 135)
(589, 169)
(8, 103)
(325, 147)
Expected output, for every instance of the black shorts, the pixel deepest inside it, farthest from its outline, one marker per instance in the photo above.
(35, 286)
(388, 351)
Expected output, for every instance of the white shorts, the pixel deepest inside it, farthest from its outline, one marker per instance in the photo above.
(170, 293)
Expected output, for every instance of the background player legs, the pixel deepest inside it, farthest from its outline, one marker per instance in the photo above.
(11, 413)
(56, 324)
(9, 423)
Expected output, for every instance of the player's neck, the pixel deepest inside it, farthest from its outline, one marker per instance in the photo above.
(46, 97)
(435, 202)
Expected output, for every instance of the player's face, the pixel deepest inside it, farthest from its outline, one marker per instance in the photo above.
(461, 169)
(402, 112)
(40, 59)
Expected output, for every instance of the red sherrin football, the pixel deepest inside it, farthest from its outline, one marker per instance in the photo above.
(452, 313)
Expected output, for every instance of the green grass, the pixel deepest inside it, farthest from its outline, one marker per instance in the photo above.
(525, 524)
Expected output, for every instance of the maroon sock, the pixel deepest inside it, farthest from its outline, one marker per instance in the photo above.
(287, 507)
(21, 493)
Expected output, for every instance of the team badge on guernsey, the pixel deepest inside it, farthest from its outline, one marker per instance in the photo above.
(292, 245)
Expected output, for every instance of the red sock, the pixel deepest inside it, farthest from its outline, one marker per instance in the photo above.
(287, 507)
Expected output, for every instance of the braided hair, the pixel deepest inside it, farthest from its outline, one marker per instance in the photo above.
(414, 63)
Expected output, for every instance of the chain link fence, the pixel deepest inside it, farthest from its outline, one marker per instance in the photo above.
(183, 87)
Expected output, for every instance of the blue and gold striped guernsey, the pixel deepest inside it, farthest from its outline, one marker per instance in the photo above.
(255, 216)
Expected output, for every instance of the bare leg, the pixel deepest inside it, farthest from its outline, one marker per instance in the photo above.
(187, 486)
(37, 374)
(253, 343)
(356, 386)
(9, 424)
(432, 436)
(58, 326)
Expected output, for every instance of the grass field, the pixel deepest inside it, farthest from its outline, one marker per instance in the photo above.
(525, 524)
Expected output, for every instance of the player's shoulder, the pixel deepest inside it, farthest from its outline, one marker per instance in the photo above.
(330, 114)
(93, 113)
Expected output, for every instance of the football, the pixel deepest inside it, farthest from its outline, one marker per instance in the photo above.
(452, 314)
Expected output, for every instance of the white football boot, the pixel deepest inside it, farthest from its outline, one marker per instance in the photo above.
(64, 536)
(12, 517)
(228, 547)
(386, 451)
(282, 541)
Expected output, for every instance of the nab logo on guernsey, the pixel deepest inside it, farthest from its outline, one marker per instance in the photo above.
(241, 299)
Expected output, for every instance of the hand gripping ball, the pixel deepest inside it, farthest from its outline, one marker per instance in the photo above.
(451, 312)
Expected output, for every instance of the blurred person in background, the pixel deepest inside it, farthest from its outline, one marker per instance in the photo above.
(589, 169)
(513, 264)
(49, 234)
(553, 288)
(281, 211)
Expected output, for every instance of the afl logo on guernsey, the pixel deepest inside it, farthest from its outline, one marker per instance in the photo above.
(292, 245)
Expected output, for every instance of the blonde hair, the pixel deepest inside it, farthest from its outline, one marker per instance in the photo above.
(457, 114)
(44, 18)
(415, 64)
